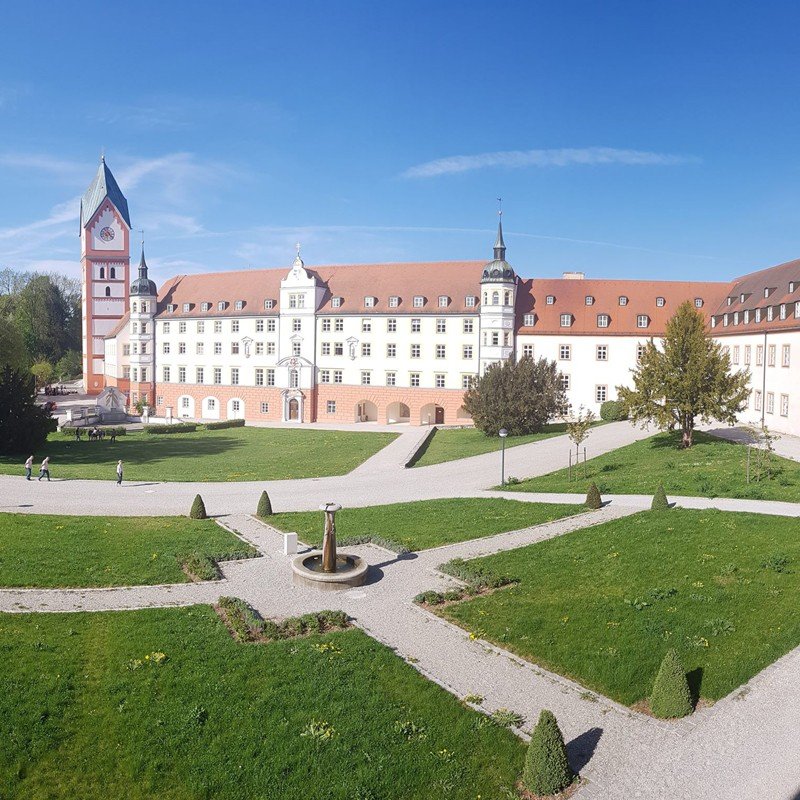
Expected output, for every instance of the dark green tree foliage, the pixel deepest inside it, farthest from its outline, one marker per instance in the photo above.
(69, 366)
(198, 508)
(660, 502)
(23, 425)
(671, 696)
(687, 378)
(520, 396)
(264, 506)
(593, 499)
(12, 347)
(547, 770)
(612, 411)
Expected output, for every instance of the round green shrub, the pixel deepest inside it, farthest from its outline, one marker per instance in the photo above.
(660, 502)
(612, 411)
(547, 770)
(264, 506)
(198, 510)
(671, 697)
(593, 499)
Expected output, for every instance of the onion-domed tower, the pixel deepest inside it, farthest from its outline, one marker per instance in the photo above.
(143, 302)
(498, 299)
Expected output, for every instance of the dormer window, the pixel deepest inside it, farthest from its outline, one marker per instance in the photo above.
(729, 301)
(550, 300)
(746, 316)
(767, 291)
(529, 319)
(642, 321)
(394, 301)
(783, 311)
(239, 305)
(588, 300)
(205, 306)
(660, 302)
(269, 304)
(792, 286)
(741, 297)
(725, 320)
(444, 301)
(713, 322)
(623, 301)
(369, 302)
(566, 320)
(171, 307)
(758, 315)
(221, 305)
(770, 313)
(470, 301)
(336, 302)
(603, 320)
(698, 302)
(735, 317)
(419, 301)
(186, 307)
(797, 309)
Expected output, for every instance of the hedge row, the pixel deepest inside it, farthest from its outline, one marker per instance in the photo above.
(477, 579)
(225, 423)
(178, 427)
(108, 430)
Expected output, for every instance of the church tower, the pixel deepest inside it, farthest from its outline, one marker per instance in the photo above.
(105, 228)
(144, 300)
(498, 300)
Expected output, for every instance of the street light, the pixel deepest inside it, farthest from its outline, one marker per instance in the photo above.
(503, 433)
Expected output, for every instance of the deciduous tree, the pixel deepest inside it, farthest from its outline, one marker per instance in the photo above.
(23, 425)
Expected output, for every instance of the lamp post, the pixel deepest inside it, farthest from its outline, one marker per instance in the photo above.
(503, 433)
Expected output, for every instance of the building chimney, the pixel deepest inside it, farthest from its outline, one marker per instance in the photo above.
(574, 276)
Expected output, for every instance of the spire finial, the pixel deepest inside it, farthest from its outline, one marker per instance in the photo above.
(103, 154)
(298, 262)
(499, 244)
(500, 207)
(297, 247)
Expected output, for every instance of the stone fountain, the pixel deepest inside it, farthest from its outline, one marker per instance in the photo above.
(327, 569)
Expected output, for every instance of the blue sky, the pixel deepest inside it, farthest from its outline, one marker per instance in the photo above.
(627, 139)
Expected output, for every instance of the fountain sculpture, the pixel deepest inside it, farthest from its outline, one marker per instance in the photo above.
(327, 569)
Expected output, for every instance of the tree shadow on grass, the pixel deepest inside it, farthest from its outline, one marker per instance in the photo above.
(581, 749)
(695, 680)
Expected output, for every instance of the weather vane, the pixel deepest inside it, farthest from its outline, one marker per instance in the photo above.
(499, 206)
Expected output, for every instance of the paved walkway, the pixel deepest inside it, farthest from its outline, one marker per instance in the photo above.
(786, 446)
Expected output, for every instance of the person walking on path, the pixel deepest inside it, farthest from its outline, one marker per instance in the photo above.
(45, 469)
(28, 467)
(119, 472)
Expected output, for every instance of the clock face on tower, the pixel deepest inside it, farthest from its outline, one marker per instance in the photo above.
(107, 234)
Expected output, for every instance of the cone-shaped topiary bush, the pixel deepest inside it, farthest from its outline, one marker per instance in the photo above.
(593, 499)
(671, 697)
(660, 502)
(198, 508)
(264, 506)
(547, 770)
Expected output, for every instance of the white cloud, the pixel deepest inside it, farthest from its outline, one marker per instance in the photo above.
(562, 157)
(44, 163)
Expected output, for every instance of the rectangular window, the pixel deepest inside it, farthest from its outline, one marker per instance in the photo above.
(259, 348)
(642, 321)
(443, 301)
(126, 373)
(391, 325)
(419, 301)
(201, 327)
(394, 301)
(771, 356)
(784, 405)
(785, 355)
(466, 351)
(550, 300)
(438, 380)
(565, 352)
(198, 375)
(466, 381)
(600, 394)
(296, 326)
(414, 379)
(324, 376)
(270, 377)
(441, 351)
(337, 376)
(259, 326)
(468, 325)
(566, 320)
(144, 375)
(271, 323)
(181, 327)
(366, 349)
(527, 351)
(366, 325)
(234, 326)
(181, 347)
(747, 355)
(295, 348)
(759, 355)
(338, 324)
(602, 320)
(270, 348)
(469, 301)
(239, 305)
(529, 319)
(770, 402)
(217, 375)
(588, 300)
(623, 301)
(265, 408)
(181, 374)
(366, 377)
(235, 348)
(391, 379)
(495, 338)
(564, 382)
(602, 352)
(757, 400)
(415, 350)
(199, 348)
(735, 358)
(416, 325)
(326, 348)
(259, 376)
(391, 350)
(234, 376)
(160, 400)
(770, 313)
(217, 326)
(336, 302)
(369, 302)
(166, 327)
(338, 348)
(441, 326)
(217, 348)
(326, 325)
(126, 349)
(330, 406)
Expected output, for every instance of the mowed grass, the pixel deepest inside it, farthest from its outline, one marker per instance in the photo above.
(425, 523)
(603, 605)
(221, 719)
(451, 444)
(712, 467)
(50, 551)
(233, 454)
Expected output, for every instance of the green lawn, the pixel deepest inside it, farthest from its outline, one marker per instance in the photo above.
(450, 444)
(603, 605)
(233, 454)
(712, 467)
(50, 551)
(425, 523)
(225, 720)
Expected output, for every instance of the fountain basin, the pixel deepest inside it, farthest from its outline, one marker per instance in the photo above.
(350, 571)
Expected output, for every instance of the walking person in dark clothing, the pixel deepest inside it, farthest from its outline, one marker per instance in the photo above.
(77, 434)
(119, 472)
(44, 470)
(28, 467)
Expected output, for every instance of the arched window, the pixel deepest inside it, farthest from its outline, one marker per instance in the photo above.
(108, 291)
(112, 273)
(294, 378)
(144, 307)
(133, 307)
(486, 298)
(495, 298)
(507, 299)
(102, 273)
